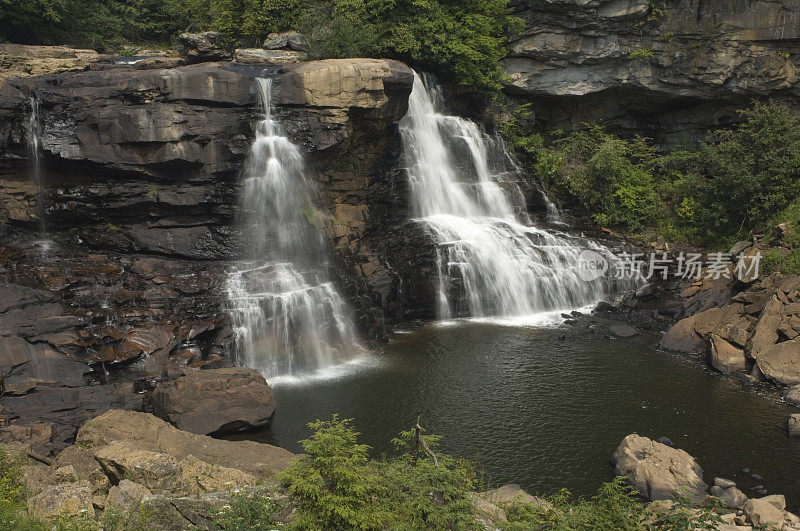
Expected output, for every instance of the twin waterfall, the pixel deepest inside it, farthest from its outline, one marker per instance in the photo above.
(492, 261)
(289, 318)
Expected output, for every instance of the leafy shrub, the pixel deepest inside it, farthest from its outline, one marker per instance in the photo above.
(606, 178)
(616, 506)
(337, 485)
(247, 510)
(13, 514)
(737, 181)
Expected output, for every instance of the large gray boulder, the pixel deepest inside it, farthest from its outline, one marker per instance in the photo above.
(203, 47)
(781, 362)
(724, 356)
(658, 471)
(216, 401)
(286, 40)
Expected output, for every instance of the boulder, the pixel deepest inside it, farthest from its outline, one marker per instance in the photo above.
(724, 483)
(203, 47)
(781, 362)
(731, 497)
(765, 332)
(622, 330)
(147, 432)
(286, 40)
(259, 56)
(66, 499)
(763, 513)
(510, 494)
(216, 401)
(197, 477)
(793, 425)
(792, 395)
(125, 496)
(488, 514)
(657, 471)
(689, 334)
(725, 357)
(156, 471)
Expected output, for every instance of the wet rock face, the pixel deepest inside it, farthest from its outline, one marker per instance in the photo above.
(140, 173)
(671, 70)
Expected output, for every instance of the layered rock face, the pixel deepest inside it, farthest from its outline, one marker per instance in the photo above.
(671, 70)
(140, 184)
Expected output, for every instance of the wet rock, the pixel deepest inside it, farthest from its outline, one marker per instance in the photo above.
(793, 425)
(622, 330)
(216, 401)
(657, 471)
(725, 357)
(792, 395)
(203, 47)
(149, 433)
(724, 483)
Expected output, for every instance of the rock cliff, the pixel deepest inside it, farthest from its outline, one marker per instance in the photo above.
(140, 182)
(669, 69)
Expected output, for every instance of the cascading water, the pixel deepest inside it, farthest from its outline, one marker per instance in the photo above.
(492, 261)
(33, 134)
(288, 316)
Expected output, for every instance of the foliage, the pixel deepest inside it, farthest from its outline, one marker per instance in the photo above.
(247, 510)
(13, 514)
(338, 486)
(615, 507)
(105, 25)
(750, 172)
(739, 180)
(463, 41)
(242, 22)
(641, 54)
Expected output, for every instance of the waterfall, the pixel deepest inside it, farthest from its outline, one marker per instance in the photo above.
(288, 317)
(491, 259)
(33, 135)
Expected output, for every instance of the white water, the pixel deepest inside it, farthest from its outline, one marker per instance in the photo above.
(33, 135)
(289, 319)
(492, 261)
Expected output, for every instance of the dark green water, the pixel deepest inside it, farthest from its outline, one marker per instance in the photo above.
(547, 412)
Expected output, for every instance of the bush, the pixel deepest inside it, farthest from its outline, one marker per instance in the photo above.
(616, 506)
(337, 486)
(740, 180)
(13, 514)
(751, 172)
(102, 25)
(606, 178)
